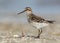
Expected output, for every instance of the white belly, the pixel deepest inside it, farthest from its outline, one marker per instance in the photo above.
(39, 25)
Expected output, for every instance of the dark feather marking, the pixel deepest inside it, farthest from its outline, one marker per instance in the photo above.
(35, 18)
(50, 21)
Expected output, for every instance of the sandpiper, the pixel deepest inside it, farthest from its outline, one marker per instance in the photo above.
(36, 21)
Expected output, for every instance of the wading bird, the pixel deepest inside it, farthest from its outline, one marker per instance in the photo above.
(36, 21)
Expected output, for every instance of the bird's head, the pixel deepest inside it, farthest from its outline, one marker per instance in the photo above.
(28, 10)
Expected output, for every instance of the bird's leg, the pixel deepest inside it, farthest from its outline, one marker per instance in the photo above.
(23, 34)
(39, 32)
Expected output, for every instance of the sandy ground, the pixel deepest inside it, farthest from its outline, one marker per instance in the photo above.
(12, 32)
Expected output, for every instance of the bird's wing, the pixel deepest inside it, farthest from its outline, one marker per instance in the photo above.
(37, 18)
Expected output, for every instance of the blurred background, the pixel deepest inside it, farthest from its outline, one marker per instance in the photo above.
(49, 9)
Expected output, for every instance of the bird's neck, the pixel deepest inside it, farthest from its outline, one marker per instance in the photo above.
(30, 15)
(28, 12)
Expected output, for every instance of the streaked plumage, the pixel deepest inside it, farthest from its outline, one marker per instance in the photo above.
(36, 21)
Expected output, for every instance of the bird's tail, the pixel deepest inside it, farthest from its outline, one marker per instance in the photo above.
(50, 21)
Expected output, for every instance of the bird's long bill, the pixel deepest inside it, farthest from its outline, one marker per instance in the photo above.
(21, 12)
